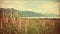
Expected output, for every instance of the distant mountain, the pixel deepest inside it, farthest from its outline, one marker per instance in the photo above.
(26, 13)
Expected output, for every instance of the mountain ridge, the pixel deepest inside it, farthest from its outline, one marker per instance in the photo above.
(26, 13)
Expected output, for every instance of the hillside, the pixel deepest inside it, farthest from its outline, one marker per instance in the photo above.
(27, 13)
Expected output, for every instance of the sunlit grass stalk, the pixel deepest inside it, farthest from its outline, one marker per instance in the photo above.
(25, 25)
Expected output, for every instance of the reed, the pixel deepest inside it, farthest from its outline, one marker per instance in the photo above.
(13, 25)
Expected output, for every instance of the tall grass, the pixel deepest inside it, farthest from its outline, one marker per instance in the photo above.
(17, 25)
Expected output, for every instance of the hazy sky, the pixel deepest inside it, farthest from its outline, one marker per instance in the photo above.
(39, 6)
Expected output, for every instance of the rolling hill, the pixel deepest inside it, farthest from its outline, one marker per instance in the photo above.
(26, 13)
